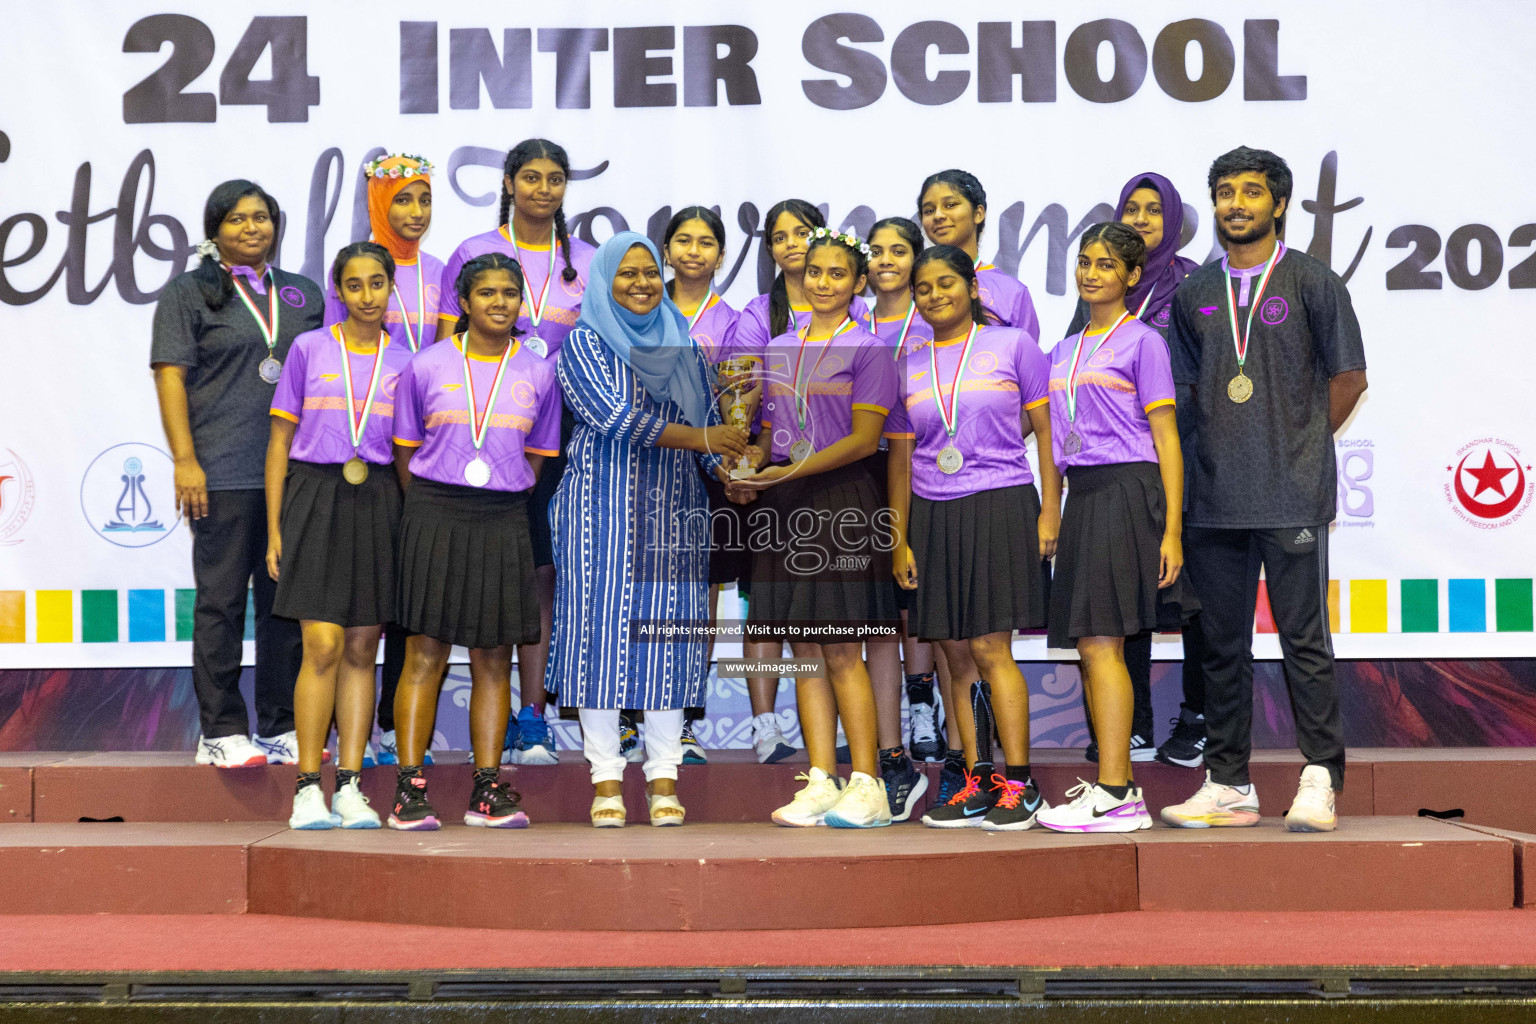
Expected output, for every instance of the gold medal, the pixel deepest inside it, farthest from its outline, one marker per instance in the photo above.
(354, 471)
(1240, 388)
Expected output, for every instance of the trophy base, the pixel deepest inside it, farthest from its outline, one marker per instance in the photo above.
(741, 474)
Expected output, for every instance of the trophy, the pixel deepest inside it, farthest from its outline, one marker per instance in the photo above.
(738, 370)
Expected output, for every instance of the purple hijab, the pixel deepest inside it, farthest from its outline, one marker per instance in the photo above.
(1165, 267)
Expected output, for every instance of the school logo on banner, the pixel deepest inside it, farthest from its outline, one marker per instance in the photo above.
(1489, 483)
(17, 496)
(128, 495)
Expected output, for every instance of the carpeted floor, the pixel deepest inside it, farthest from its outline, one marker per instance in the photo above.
(1144, 939)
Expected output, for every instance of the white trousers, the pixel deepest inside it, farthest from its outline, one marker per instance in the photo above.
(663, 744)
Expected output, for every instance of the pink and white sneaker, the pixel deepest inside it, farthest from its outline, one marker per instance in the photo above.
(1215, 806)
(1092, 808)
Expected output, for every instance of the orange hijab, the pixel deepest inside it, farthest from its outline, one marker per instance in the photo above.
(386, 177)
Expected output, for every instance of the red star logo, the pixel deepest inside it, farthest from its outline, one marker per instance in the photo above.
(1489, 477)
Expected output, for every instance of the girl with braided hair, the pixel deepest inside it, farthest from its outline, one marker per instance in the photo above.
(531, 229)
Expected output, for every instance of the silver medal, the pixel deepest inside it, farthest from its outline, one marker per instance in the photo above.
(800, 450)
(1073, 444)
(271, 370)
(477, 473)
(535, 344)
(950, 460)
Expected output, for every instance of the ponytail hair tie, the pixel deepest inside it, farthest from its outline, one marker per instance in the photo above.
(208, 249)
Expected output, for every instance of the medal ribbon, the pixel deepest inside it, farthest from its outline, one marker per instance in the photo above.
(803, 400)
(536, 307)
(1078, 360)
(411, 336)
(906, 328)
(478, 425)
(269, 325)
(356, 425)
(1240, 344)
(704, 307)
(949, 418)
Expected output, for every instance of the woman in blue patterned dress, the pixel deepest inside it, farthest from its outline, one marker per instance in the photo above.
(631, 523)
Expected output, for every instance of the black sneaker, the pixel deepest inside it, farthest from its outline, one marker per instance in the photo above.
(1186, 747)
(843, 754)
(1142, 748)
(966, 809)
(951, 780)
(494, 805)
(927, 743)
(1016, 807)
(412, 813)
(1091, 752)
(693, 753)
(904, 785)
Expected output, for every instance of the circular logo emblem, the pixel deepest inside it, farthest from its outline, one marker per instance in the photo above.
(1163, 316)
(1274, 310)
(292, 296)
(523, 394)
(1489, 483)
(18, 494)
(1103, 357)
(983, 363)
(390, 382)
(128, 495)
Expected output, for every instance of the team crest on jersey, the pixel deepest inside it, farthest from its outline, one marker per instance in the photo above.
(1274, 310)
(291, 295)
(1163, 316)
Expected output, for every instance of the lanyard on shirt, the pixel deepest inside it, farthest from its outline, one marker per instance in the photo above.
(411, 336)
(704, 307)
(1078, 360)
(536, 307)
(268, 325)
(802, 388)
(478, 424)
(358, 424)
(906, 328)
(950, 417)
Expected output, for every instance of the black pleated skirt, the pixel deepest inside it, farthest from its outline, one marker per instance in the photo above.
(729, 559)
(339, 545)
(1107, 559)
(466, 566)
(816, 573)
(978, 564)
(544, 491)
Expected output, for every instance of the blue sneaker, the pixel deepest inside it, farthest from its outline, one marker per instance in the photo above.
(529, 740)
(390, 754)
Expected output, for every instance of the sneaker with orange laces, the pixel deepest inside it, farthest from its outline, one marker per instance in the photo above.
(966, 809)
(1016, 807)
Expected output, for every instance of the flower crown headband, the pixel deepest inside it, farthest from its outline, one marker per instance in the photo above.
(845, 238)
(376, 168)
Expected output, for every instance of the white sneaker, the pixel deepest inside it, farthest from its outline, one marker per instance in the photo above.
(309, 811)
(811, 804)
(281, 749)
(1312, 810)
(864, 804)
(370, 756)
(229, 752)
(352, 808)
(1215, 806)
(768, 739)
(1095, 809)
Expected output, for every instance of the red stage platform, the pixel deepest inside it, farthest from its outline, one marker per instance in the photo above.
(744, 877)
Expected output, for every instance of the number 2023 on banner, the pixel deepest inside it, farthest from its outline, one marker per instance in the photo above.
(160, 98)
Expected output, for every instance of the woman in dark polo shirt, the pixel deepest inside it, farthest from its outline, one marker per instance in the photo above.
(221, 333)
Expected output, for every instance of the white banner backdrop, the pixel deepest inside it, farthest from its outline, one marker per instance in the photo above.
(117, 120)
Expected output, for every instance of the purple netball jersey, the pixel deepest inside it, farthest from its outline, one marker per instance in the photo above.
(852, 371)
(1005, 374)
(432, 415)
(416, 297)
(1125, 378)
(563, 297)
(313, 393)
